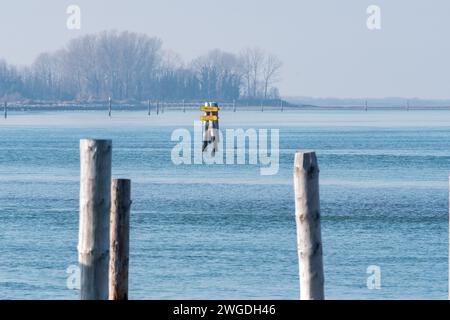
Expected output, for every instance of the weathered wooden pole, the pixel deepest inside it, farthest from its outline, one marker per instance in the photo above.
(307, 217)
(6, 110)
(109, 99)
(119, 239)
(95, 202)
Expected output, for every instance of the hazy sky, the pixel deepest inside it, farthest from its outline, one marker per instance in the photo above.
(325, 45)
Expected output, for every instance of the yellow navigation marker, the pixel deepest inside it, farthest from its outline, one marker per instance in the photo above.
(209, 109)
(209, 118)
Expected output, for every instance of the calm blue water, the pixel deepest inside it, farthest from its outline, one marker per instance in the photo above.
(384, 188)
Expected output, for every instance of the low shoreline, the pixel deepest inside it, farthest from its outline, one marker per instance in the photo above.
(195, 106)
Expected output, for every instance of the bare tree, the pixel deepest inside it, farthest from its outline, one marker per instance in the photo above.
(171, 61)
(271, 72)
(219, 74)
(10, 80)
(251, 63)
(133, 66)
(113, 64)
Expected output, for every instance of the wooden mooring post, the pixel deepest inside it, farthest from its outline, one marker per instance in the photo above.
(119, 239)
(307, 217)
(95, 202)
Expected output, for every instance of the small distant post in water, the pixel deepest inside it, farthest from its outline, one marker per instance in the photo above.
(109, 100)
(262, 107)
(95, 202)
(407, 105)
(281, 103)
(365, 105)
(6, 110)
(148, 107)
(119, 239)
(234, 105)
(157, 107)
(307, 217)
(184, 106)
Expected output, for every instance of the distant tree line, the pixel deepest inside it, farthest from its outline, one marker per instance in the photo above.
(131, 66)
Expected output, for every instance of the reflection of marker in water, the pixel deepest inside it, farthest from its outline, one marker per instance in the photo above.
(109, 99)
